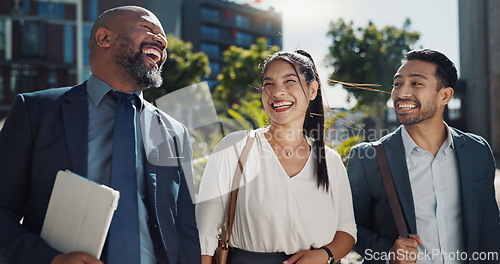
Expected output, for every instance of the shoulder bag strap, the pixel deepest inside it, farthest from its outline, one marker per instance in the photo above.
(390, 189)
(231, 208)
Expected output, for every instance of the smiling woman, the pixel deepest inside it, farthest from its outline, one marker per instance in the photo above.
(292, 180)
(284, 90)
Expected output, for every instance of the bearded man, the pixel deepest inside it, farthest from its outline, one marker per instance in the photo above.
(105, 131)
(442, 176)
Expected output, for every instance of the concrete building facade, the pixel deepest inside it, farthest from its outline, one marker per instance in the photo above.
(479, 22)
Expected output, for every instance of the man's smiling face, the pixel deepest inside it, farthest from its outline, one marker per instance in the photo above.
(141, 47)
(415, 92)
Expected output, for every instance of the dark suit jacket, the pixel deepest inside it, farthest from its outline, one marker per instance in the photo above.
(47, 131)
(376, 226)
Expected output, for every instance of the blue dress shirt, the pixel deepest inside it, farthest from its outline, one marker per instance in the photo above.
(435, 186)
(100, 147)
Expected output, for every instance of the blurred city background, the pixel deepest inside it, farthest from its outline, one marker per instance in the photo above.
(43, 44)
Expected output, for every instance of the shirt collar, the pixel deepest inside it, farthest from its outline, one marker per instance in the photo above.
(448, 143)
(408, 142)
(97, 89)
(410, 145)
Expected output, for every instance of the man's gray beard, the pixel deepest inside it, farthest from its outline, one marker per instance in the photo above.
(135, 66)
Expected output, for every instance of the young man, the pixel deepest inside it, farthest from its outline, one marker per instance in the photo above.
(103, 130)
(443, 177)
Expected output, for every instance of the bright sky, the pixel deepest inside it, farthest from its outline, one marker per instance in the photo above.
(306, 22)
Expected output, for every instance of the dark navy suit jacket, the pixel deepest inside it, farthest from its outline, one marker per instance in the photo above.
(47, 131)
(377, 230)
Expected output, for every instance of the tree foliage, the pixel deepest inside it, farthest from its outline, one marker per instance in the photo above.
(237, 96)
(240, 78)
(182, 68)
(369, 56)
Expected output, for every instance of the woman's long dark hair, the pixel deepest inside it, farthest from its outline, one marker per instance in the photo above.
(314, 123)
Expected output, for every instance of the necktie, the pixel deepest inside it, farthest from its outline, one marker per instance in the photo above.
(123, 237)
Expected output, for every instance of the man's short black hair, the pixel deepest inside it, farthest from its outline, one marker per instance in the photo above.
(445, 70)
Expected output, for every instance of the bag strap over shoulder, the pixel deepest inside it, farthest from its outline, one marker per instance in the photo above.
(231, 208)
(390, 189)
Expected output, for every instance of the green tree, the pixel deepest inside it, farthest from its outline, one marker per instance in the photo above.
(237, 96)
(241, 76)
(182, 68)
(369, 56)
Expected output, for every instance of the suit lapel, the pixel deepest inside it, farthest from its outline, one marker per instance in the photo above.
(466, 185)
(155, 137)
(75, 120)
(152, 134)
(393, 145)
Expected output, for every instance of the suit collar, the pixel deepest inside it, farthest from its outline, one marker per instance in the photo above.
(77, 93)
(463, 156)
(158, 137)
(458, 139)
(393, 145)
(75, 121)
(396, 158)
(468, 188)
(97, 89)
(410, 145)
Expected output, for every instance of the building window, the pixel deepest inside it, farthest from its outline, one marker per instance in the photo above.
(243, 39)
(215, 68)
(69, 44)
(51, 10)
(258, 22)
(6, 39)
(1, 90)
(210, 32)
(33, 41)
(242, 21)
(210, 14)
(93, 10)
(3, 39)
(269, 27)
(52, 79)
(212, 50)
(23, 81)
(23, 6)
